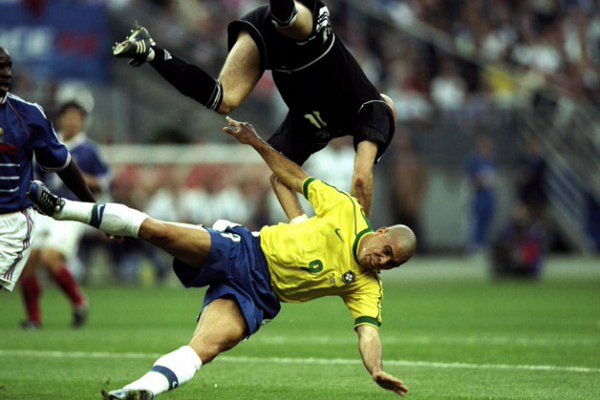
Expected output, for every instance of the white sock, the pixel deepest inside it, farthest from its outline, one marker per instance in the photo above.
(75, 211)
(112, 218)
(169, 371)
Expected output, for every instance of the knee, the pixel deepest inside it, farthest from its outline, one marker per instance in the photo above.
(226, 107)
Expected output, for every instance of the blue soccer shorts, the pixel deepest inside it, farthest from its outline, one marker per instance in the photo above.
(235, 266)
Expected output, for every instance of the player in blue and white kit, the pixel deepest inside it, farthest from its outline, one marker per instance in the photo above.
(24, 132)
(57, 242)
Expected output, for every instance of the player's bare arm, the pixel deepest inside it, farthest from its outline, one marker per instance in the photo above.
(73, 178)
(290, 173)
(288, 199)
(362, 178)
(369, 346)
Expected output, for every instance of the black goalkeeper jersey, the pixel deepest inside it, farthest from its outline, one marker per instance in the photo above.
(326, 91)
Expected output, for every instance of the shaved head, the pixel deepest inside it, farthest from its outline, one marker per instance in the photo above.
(387, 247)
(405, 239)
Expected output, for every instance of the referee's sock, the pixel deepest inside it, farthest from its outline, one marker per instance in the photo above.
(190, 80)
(169, 371)
(283, 13)
(112, 218)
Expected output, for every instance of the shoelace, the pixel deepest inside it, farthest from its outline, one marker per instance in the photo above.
(47, 199)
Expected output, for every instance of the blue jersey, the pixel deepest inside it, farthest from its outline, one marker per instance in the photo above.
(89, 159)
(24, 132)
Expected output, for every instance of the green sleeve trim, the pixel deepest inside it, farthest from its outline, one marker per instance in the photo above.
(305, 186)
(367, 320)
(357, 240)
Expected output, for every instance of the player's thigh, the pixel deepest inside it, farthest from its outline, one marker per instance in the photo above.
(240, 72)
(17, 232)
(188, 243)
(32, 263)
(221, 327)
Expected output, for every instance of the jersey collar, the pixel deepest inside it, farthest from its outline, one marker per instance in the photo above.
(356, 244)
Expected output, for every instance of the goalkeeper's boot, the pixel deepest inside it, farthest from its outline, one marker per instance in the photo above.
(137, 46)
(122, 394)
(43, 199)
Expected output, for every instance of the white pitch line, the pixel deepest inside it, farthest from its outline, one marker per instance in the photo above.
(432, 340)
(294, 360)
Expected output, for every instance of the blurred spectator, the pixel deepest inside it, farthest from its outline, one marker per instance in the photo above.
(334, 164)
(129, 187)
(211, 196)
(408, 182)
(164, 203)
(531, 178)
(518, 250)
(481, 171)
(448, 89)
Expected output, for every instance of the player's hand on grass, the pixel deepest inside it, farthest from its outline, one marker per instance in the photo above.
(243, 131)
(390, 382)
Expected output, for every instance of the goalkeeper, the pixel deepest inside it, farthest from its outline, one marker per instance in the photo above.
(327, 93)
(335, 253)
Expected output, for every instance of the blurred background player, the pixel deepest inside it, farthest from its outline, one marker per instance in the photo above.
(312, 70)
(482, 172)
(57, 242)
(518, 250)
(24, 132)
(248, 274)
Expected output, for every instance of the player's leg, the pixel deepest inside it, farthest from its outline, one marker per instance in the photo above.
(31, 291)
(221, 327)
(188, 243)
(17, 233)
(240, 72)
(292, 19)
(55, 261)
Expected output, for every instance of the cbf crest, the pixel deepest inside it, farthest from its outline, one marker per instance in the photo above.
(348, 277)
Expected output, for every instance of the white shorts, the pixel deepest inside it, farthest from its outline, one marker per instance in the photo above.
(16, 235)
(62, 236)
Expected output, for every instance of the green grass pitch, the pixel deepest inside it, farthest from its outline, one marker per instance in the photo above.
(449, 332)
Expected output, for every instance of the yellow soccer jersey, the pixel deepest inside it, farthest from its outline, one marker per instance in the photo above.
(317, 257)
